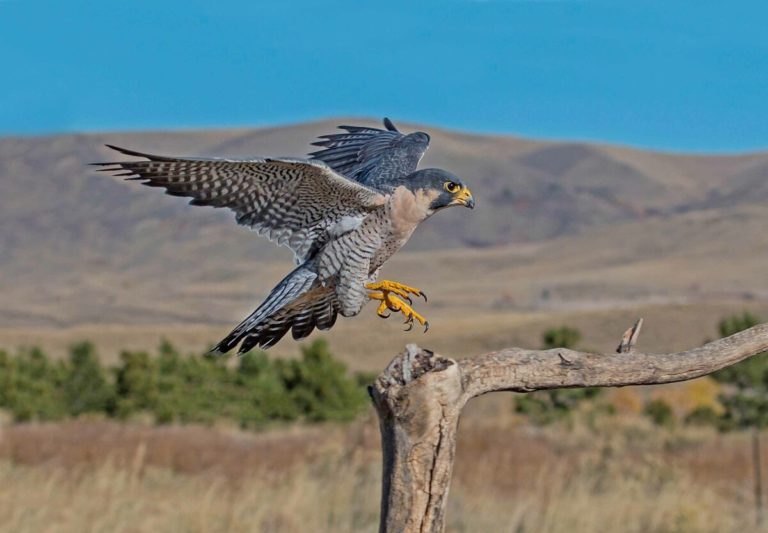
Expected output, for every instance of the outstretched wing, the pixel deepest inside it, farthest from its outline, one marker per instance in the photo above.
(295, 203)
(372, 156)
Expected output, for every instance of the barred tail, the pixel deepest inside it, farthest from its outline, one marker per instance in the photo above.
(296, 302)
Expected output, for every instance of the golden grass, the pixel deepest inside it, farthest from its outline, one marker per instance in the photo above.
(622, 476)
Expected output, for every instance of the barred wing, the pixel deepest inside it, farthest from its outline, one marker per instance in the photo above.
(373, 156)
(294, 203)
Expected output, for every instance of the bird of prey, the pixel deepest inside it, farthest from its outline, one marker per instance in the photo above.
(343, 212)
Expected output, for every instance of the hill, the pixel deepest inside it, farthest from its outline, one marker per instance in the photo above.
(558, 227)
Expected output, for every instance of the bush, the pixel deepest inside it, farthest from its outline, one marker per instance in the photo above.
(751, 373)
(745, 391)
(320, 387)
(136, 384)
(703, 415)
(562, 337)
(32, 386)
(546, 407)
(660, 413)
(84, 384)
(175, 388)
(265, 391)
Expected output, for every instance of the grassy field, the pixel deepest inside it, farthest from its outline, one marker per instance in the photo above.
(623, 475)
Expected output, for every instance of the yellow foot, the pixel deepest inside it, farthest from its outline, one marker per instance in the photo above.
(398, 288)
(394, 303)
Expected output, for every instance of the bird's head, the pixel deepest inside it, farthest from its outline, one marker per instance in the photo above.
(441, 187)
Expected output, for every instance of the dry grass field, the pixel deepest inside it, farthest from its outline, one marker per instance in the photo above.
(623, 475)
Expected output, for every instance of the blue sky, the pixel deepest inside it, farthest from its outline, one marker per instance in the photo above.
(675, 75)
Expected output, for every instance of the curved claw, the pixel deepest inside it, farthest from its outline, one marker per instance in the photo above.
(410, 325)
(426, 327)
(410, 302)
(423, 295)
(384, 316)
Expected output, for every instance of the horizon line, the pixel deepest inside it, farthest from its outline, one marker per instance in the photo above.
(554, 139)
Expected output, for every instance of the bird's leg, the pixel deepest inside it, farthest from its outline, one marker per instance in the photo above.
(383, 307)
(394, 303)
(398, 288)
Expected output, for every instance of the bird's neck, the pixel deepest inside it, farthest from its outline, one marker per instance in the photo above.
(408, 209)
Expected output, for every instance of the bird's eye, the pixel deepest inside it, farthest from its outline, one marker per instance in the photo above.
(451, 186)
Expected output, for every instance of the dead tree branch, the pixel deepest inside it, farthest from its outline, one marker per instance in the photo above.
(419, 398)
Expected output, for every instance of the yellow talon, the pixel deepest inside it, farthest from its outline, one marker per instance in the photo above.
(393, 303)
(398, 288)
(383, 307)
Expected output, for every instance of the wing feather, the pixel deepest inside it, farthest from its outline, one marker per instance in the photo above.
(293, 202)
(372, 156)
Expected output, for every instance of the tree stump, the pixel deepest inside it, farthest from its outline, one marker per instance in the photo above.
(420, 395)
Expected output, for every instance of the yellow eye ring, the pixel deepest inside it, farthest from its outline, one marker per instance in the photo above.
(451, 186)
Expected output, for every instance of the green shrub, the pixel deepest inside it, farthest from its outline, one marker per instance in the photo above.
(703, 415)
(562, 337)
(136, 384)
(660, 413)
(32, 387)
(6, 378)
(751, 373)
(185, 389)
(745, 391)
(265, 392)
(84, 384)
(320, 386)
(546, 407)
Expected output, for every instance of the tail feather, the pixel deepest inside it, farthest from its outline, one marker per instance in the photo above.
(289, 289)
(320, 314)
(327, 314)
(301, 315)
(296, 303)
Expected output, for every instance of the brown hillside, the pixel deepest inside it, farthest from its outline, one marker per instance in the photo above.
(559, 227)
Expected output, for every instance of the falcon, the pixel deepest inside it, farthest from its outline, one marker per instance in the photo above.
(343, 212)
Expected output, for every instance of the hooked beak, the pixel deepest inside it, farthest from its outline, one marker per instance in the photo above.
(465, 198)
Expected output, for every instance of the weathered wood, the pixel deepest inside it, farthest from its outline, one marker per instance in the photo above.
(419, 398)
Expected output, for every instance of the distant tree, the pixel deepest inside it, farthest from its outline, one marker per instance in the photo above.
(562, 337)
(749, 375)
(266, 396)
(135, 384)
(703, 415)
(546, 407)
(321, 386)
(84, 385)
(186, 389)
(745, 396)
(31, 386)
(6, 379)
(660, 413)
(195, 389)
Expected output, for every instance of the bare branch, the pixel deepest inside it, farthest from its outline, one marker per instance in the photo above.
(519, 370)
(629, 339)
